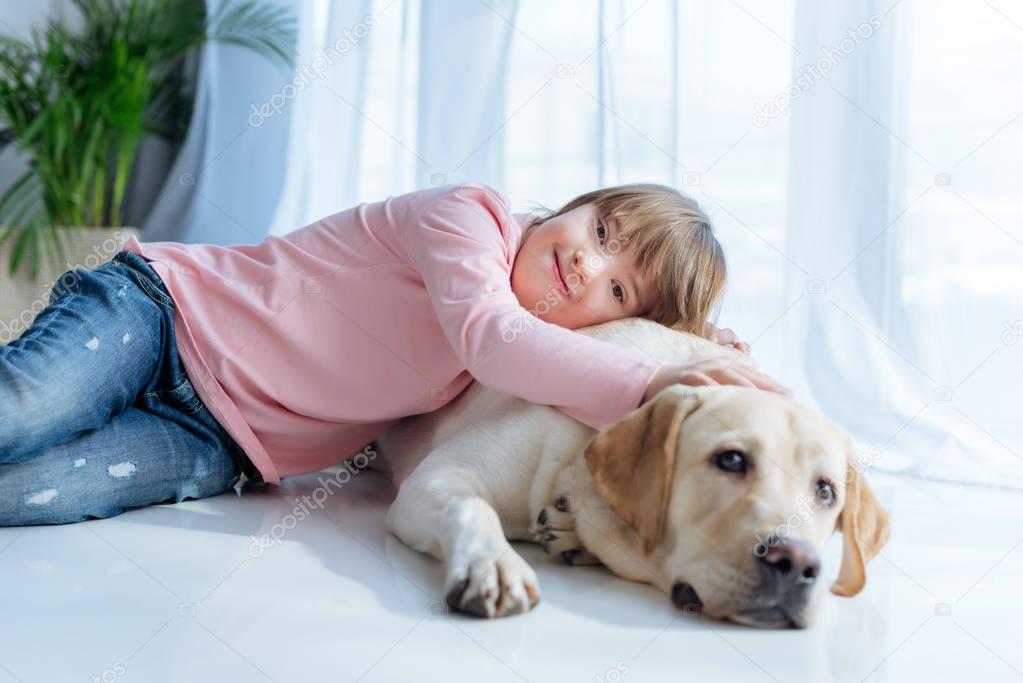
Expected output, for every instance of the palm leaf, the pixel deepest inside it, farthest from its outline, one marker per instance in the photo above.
(25, 237)
(80, 103)
(265, 29)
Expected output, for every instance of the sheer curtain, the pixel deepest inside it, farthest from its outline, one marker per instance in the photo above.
(900, 209)
(861, 161)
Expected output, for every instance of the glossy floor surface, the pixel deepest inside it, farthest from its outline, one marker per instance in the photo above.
(189, 592)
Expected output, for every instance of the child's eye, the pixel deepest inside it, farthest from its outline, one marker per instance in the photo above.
(601, 231)
(618, 292)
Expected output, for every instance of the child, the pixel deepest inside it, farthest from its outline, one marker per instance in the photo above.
(177, 370)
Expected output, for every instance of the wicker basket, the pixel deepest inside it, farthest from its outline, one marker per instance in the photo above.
(22, 296)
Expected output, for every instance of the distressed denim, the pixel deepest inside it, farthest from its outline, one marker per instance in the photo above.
(97, 415)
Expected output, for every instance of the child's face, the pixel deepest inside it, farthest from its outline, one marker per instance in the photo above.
(599, 280)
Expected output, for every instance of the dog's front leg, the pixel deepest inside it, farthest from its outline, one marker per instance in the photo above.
(441, 516)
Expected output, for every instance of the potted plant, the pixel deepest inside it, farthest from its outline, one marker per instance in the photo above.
(78, 104)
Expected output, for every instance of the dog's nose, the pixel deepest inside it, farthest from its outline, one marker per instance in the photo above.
(792, 562)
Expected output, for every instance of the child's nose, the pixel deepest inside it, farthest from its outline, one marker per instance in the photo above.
(587, 265)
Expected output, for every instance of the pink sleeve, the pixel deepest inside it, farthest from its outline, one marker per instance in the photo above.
(457, 246)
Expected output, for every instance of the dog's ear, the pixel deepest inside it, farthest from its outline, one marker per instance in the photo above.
(864, 527)
(632, 462)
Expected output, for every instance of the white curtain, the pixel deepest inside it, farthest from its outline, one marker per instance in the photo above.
(862, 163)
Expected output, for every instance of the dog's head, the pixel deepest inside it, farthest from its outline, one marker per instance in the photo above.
(731, 493)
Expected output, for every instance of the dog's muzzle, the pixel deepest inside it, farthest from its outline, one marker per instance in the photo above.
(788, 571)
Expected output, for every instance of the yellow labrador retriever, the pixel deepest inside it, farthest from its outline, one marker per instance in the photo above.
(721, 496)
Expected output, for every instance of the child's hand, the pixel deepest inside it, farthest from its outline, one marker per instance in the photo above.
(720, 370)
(728, 337)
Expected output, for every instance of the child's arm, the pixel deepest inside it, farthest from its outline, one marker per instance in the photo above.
(462, 257)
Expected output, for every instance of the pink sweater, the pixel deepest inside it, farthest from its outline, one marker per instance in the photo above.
(305, 347)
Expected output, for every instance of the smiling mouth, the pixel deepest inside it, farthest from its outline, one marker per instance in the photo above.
(559, 278)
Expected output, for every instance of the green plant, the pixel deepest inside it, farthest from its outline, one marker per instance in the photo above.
(79, 104)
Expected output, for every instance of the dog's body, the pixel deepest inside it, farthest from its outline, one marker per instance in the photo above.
(488, 467)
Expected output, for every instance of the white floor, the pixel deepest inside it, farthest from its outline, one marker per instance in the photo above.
(181, 592)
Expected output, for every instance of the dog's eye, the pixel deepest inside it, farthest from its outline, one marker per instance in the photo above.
(731, 461)
(825, 493)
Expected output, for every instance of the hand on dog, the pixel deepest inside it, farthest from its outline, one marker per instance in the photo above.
(719, 370)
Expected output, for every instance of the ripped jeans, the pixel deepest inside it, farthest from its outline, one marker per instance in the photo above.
(97, 415)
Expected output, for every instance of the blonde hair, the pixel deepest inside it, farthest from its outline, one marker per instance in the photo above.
(674, 244)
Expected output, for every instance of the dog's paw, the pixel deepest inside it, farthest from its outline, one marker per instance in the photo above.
(556, 517)
(554, 530)
(579, 557)
(494, 587)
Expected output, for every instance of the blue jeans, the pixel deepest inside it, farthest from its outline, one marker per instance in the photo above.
(97, 415)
